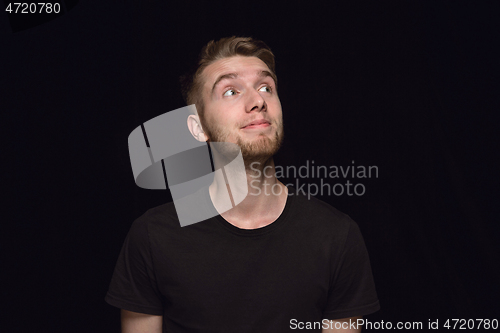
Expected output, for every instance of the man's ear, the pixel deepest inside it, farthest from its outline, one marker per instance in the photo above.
(195, 128)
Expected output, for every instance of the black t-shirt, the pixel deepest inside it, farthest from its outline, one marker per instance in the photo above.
(308, 265)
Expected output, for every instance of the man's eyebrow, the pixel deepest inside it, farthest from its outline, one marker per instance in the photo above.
(222, 77)
(265, 74)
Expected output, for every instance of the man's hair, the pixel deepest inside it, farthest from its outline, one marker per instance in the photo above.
(191, 83)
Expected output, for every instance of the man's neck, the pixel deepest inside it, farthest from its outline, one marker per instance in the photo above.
(264, 202)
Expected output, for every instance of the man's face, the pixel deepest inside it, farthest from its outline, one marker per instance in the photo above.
(242, 106)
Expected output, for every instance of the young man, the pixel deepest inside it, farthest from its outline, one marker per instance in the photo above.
(275, 262)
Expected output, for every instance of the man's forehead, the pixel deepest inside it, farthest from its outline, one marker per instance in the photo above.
(233, 67)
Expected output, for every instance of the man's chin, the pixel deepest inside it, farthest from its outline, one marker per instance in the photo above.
(260, 149)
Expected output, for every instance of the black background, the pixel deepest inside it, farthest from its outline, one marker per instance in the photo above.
(411, 87)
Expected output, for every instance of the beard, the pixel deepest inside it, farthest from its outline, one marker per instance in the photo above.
(258, 149)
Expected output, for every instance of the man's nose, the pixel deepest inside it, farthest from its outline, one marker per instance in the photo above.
(255, 102)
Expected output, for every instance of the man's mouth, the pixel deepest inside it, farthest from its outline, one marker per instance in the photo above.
(261, 123)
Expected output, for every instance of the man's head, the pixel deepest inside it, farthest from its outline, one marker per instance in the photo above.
(235, 92)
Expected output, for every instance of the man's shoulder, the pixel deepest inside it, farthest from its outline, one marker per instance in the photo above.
(163, 220)
(163, 211)
(320, 208)
(320, 213)
(163, 216)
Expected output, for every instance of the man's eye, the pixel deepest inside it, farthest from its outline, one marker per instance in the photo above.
(266, 88)
(230, 92)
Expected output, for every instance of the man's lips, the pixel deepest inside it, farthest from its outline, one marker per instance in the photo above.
(257, 124)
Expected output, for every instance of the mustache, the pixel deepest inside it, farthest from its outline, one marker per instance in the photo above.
(272, 121)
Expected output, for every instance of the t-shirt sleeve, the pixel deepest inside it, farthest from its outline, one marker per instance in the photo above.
(133, 285)
(352, 290)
